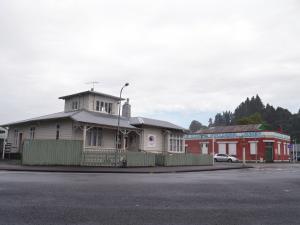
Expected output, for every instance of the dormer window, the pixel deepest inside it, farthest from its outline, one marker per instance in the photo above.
(97, 106)
(74, 105)
(110, 108)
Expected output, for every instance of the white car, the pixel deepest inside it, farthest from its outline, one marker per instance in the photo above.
(225, 158)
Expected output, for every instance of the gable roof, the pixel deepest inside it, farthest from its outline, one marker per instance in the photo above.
(92, 93)
(231, 129)
(139, 121)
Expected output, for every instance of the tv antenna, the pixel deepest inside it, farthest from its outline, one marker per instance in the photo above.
(92, 83)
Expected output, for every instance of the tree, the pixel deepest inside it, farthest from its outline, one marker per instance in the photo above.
(196, 125)
(210, 122)
(252, 119)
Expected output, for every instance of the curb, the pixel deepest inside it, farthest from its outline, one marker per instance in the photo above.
(124, 171)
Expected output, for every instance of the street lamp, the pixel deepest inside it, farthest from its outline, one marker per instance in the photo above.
(118, 129)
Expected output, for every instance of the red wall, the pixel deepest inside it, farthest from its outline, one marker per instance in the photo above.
(193, 146)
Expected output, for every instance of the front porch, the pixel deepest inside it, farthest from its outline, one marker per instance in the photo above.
(97, 138)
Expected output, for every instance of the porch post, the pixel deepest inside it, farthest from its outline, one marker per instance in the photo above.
(84, 137)
(124, 142)
(3, 152)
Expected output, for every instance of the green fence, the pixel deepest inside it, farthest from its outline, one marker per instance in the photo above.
(97, 158)
(183, 160)
(129, 159)
(140, 159)
(52, 152)
(69, 152)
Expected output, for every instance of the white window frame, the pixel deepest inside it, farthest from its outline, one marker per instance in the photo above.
(32, 133)
(279, 148)
(95, 137)
(206, 148)
(232, 151)
(253, 151)
(74, 105)
(16, 137)
(223, 149)
(176, 143)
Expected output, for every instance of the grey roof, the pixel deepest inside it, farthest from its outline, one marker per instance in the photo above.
(91, 92)
(138, 121)
(102, 119)
(231, 129)
(82, 116)
(59, 115)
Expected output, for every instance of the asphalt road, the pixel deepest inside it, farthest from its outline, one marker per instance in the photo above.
(263, 195)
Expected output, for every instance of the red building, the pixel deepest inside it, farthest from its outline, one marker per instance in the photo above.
(260, 145)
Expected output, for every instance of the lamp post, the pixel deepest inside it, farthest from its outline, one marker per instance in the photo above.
(118, 129)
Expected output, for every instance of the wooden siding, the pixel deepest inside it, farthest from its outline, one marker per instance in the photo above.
(43, 130)
(159, 146)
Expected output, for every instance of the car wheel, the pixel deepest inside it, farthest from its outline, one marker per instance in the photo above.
(216, 160)
(229, 160)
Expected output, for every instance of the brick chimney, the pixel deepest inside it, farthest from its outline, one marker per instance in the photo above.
(126, 109)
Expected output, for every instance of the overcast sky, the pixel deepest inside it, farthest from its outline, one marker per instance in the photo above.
(184, 60)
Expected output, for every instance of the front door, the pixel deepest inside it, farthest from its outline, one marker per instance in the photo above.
(269, 152)
(204, 149)
(20, 142)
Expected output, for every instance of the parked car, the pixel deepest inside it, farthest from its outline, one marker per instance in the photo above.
(225, 158)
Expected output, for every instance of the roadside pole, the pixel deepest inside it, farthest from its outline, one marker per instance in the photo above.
(296, 148)
(244, 151)
(213, 150)
(256, 147)
(293, 153)
(244, 155)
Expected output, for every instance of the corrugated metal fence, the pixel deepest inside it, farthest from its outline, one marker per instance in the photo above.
(52, 152)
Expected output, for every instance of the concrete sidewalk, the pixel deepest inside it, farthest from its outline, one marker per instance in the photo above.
(9, 166)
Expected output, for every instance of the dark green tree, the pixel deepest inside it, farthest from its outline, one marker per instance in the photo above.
(196, 125)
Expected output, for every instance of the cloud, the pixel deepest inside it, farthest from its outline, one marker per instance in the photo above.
(180, 57)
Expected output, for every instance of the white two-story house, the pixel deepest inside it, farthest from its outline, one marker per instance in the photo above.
(92, 117)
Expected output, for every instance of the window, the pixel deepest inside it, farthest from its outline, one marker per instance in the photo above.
(97, 106)
(176, 143)
(279, 149)
(222, 148)
(57, 132)
(94, 137)
(32, 133)
(106, 106)
(16, 134)
(102, 107)
(110, 108)
(232, 149)
(74, 105)
(253, 148)
(204, 148)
